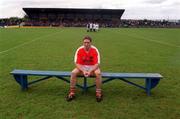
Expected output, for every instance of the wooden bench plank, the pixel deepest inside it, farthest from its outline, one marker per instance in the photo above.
(104, 74)
(131, 75)
(41, 73)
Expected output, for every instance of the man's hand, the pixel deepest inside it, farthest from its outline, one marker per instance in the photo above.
(86, 73)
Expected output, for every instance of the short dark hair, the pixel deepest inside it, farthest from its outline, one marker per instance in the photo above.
(87, 37)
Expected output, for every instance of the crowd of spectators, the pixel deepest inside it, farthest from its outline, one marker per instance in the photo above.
(14, 21)
(102, 23)
(107, 23)
(149, 23)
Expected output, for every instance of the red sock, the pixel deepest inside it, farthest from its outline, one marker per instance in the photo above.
(98, 92)
(72, 90)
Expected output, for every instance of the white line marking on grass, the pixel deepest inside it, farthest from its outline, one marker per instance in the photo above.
(28, 42)
(155, 41)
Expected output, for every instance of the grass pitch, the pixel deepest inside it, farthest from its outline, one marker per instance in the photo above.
(122, 50)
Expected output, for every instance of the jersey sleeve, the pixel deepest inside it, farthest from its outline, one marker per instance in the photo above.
(96, 56)
(77, 56)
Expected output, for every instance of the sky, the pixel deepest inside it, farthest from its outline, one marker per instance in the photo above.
(134, 9)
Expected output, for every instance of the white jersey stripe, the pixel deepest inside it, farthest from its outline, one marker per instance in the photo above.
(97, 52)
(75, 57)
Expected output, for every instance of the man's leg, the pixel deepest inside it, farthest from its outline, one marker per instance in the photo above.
(73, 81)
(97, 73)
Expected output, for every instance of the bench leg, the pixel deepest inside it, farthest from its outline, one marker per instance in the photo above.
(85, 84)
(148, 86)
(24, 82)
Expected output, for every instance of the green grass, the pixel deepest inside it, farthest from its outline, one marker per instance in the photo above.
(122, 50)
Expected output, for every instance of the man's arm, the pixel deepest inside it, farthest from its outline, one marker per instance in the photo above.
(80, 67)
(87, 73)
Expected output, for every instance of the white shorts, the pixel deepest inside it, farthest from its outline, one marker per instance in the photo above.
(87, 67)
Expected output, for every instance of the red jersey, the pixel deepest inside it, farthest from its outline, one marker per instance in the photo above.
(90, 57)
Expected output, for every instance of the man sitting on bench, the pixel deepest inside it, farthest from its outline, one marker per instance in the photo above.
(87, 60)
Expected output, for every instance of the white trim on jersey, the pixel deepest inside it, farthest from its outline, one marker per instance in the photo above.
(75, 57)
(97, 53)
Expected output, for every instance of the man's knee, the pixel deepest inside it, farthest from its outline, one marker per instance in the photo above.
(75, 72)
(97, 73)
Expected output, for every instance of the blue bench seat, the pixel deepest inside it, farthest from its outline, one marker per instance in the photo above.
(151, 79)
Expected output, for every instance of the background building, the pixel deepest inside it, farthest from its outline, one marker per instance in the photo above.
(73, 17)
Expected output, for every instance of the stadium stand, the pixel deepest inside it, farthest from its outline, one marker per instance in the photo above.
(73, 17)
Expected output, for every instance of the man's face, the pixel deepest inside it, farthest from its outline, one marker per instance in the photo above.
(87, 44)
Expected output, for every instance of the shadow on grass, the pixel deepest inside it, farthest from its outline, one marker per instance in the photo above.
(111, 92)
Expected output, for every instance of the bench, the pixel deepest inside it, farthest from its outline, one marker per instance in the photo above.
(151, 79)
